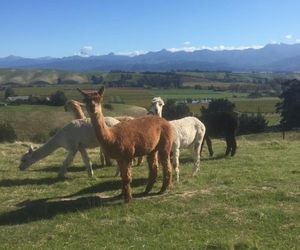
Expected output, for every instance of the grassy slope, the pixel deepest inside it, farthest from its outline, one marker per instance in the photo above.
(250, 200)
(30, 120)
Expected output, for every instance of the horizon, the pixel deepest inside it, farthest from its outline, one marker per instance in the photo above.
(219, 48)
(35, 29)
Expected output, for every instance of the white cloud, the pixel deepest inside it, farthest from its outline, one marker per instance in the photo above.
(86, 51)
(289, 36)
(186, 43)
(214, 48)
(132, 53)
(298, 40)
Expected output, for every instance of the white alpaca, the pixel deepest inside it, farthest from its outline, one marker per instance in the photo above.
(75, 136)
(188, 133)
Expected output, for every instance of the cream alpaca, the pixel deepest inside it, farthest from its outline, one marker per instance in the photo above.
(188, 133)
(148, 135)
(75, 107)
(75, 136)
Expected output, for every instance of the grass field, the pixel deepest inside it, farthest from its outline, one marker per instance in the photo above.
(35, 120)
(142, 97)
(250, 201)
(32, 120)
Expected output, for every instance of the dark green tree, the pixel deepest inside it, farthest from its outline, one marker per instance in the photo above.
(7, 132)
(58, 98)
(289, 107)
(173, 111)
(96, 79)
(9, 92)
(219, 105)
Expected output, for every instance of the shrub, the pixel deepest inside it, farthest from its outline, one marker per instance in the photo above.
(253, 123)
(9, 92)
(7, 132)
(108, 106)
(173, 111)
(219, 105)
(58, 98)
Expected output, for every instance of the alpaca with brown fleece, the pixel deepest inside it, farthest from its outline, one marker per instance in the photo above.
(147, 135)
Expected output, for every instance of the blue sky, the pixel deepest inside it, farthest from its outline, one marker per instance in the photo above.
(36, 28)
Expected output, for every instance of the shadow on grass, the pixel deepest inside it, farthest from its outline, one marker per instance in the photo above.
(46, 209)
(107, 186)
(210, 158)
(41, 209)
(28, 181)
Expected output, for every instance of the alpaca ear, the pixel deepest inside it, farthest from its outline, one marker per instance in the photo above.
(82, 92)
(101, 91)
(81, 104)
(30, 151)
(25, 145)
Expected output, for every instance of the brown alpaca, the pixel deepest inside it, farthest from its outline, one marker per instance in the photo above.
(147, 135)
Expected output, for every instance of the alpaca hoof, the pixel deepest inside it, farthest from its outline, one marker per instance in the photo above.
(161, 192)
(195, 172)
(146, 192)
(95, 165)
(127, 199)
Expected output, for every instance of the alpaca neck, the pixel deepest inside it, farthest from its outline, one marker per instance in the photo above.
(51, 145)
(78, 113)
(103, 132)
(159, 113)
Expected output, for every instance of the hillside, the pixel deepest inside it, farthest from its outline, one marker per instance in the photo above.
(41, 77)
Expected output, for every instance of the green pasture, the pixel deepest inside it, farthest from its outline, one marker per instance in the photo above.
(31, 121)
(137, 96)
(249, 201)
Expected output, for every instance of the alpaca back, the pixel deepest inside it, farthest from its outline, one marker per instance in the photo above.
(81, 132)
(141, 136)
(187, 131)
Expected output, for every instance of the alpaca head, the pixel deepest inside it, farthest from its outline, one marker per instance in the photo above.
(72, 104)
(27, 159)
(92, 99)
(156, 106)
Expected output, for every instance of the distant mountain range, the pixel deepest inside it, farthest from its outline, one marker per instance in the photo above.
(272, 57)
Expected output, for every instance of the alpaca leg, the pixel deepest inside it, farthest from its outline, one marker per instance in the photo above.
(117, 171)
(209, 145)
(86, 161)
(140, 160)
(152, 164)
(164, 158)
(67, 163)
(107, 160)
(176, 154)
(125, 168)
(228, 146)
(196, 156)
(233, 146)
(102, 158)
